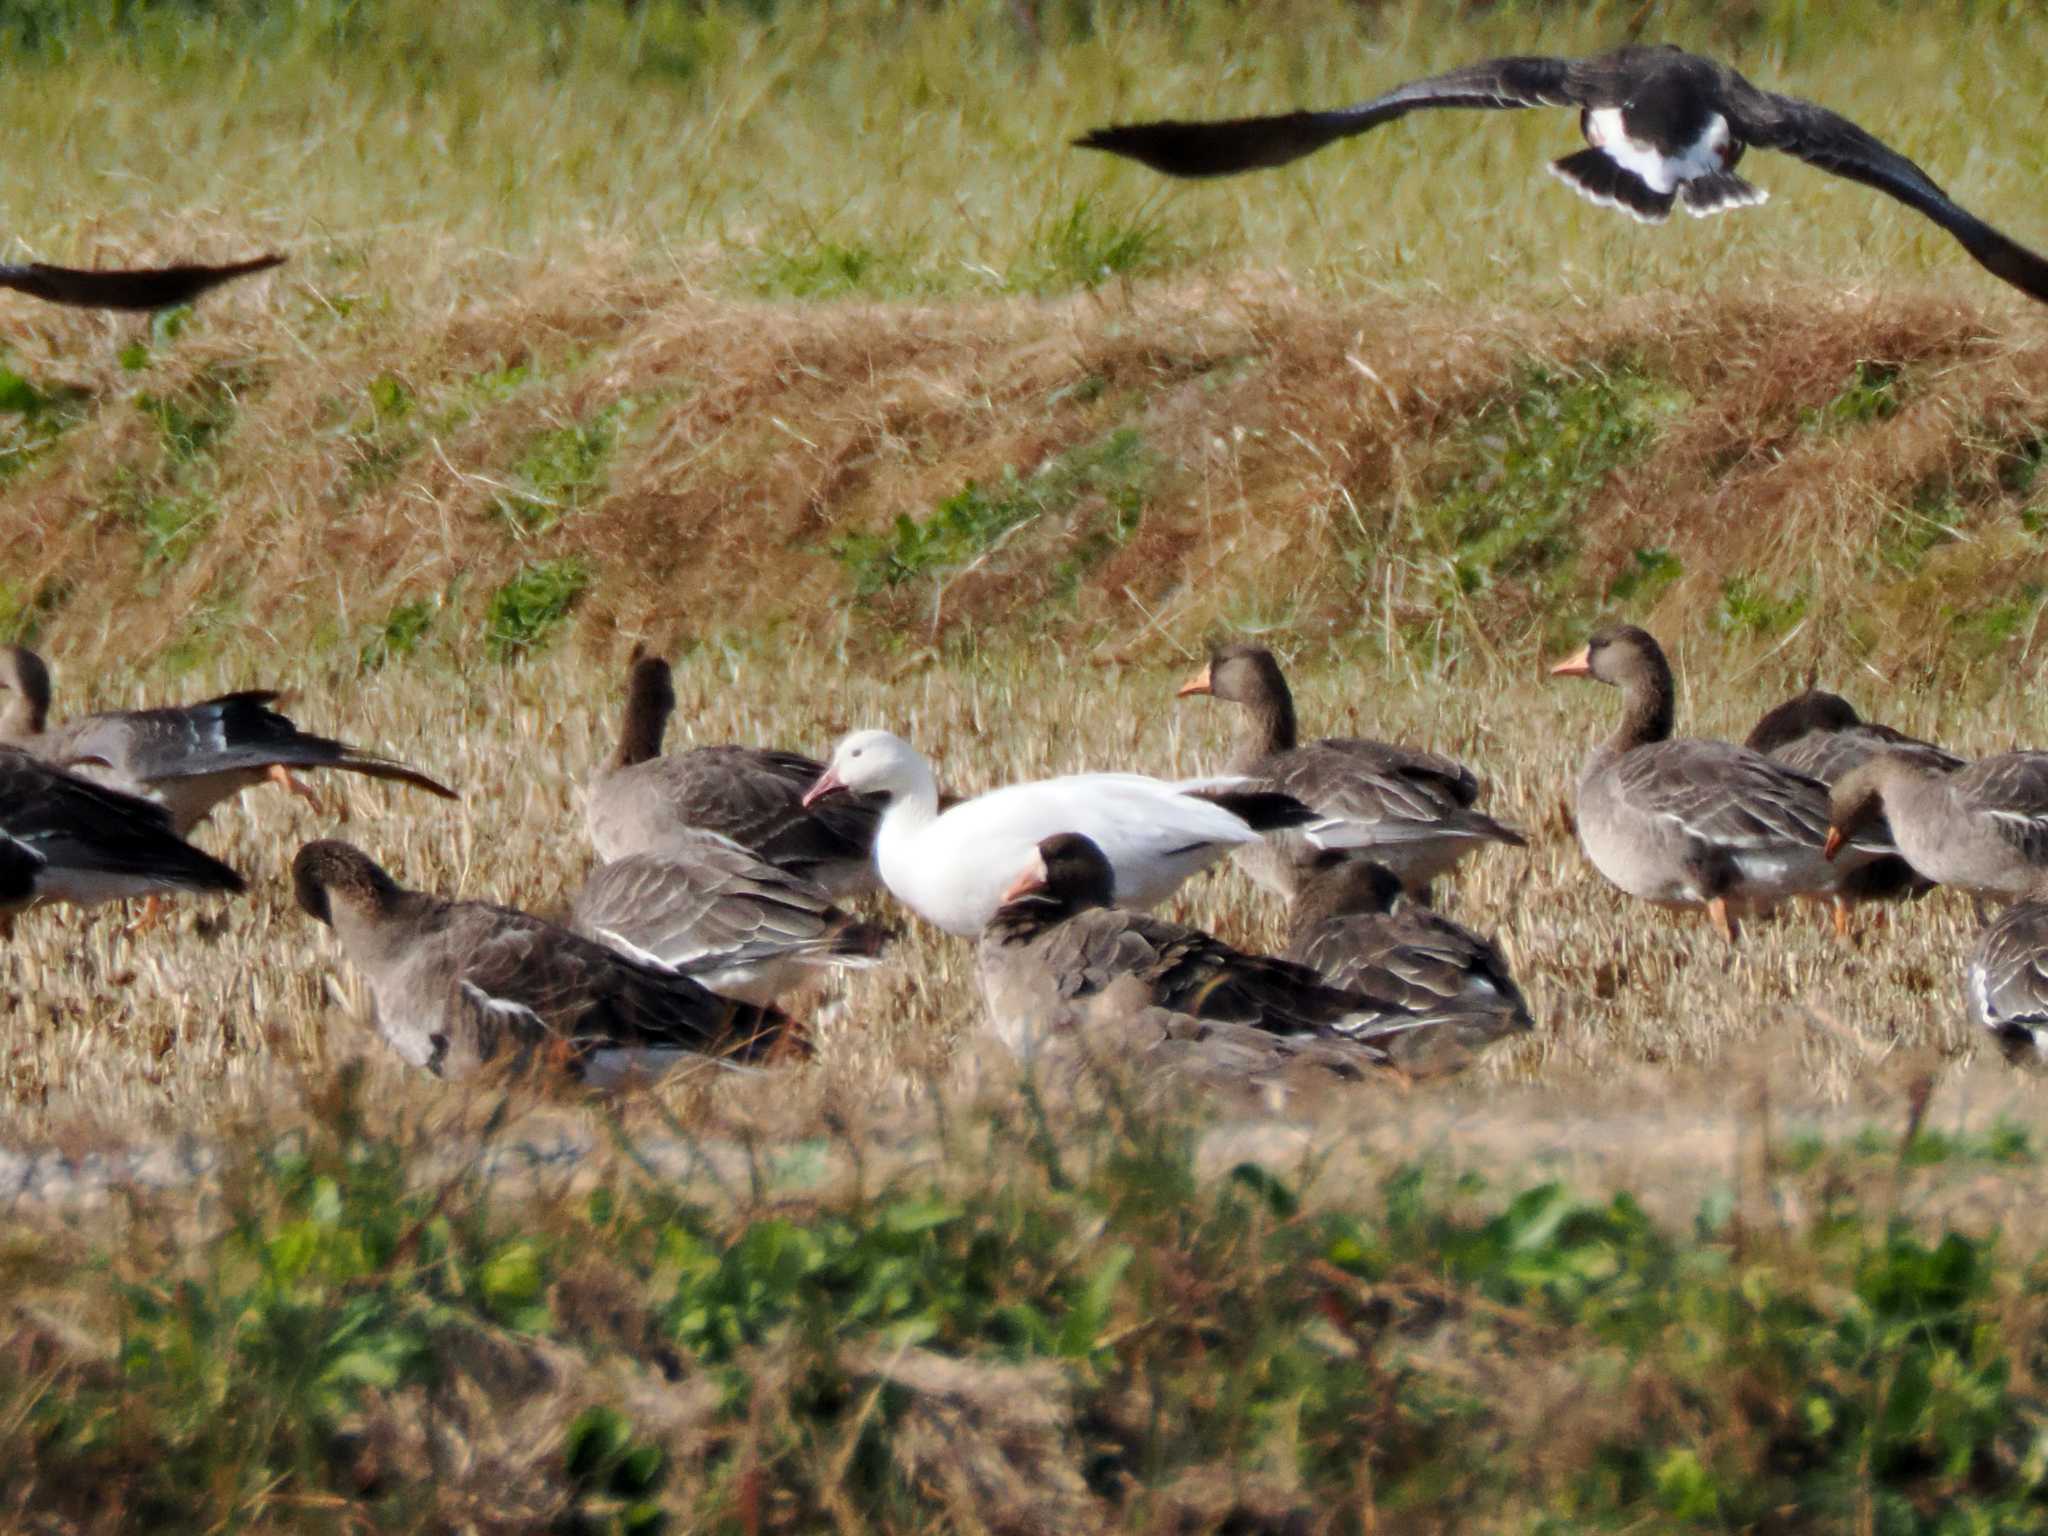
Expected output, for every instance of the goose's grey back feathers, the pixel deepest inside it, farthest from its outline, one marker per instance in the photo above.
(720, 913)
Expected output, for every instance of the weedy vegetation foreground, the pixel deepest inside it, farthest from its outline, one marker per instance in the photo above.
(657, 324)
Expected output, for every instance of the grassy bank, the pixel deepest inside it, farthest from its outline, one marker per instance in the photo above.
(1077, 1323)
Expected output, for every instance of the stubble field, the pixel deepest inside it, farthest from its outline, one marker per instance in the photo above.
(790, 341)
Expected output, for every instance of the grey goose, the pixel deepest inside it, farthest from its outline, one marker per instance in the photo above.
(1982, 828)
(188, 757)
(752, 795)
(724, 916)
(460, 984)
(2005, 985)
(134, 288)
(1354, 926)
(1691, 823)
(1821, 735)
(1056, 941)
(1413, 810)
(1662, 126)
(64, 838)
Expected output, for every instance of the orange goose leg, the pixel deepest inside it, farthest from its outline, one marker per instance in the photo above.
(1724, 920)
(281, 776)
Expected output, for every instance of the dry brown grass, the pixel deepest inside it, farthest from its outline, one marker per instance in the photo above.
(1291, 449)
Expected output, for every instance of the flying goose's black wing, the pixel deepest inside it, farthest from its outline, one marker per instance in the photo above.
(1254, 143)
(1833, 143)
(132, 288)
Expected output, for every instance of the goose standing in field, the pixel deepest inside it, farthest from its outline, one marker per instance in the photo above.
(751, 795)
(1820, 735)
(1662, 126)
(136, 288)
(1057, 940)
(1982, 828)
(1690, 823)
(951, 867)
(2006, 984)
(187, 757)
(724, 916)
(65, 838)
(1351, 924)
(1412, 810)
(458, 984)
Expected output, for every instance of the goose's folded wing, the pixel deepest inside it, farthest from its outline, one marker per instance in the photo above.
(2008, 975)
(712, 902)
(594, 997)
(1726, 796)
(1222, 148)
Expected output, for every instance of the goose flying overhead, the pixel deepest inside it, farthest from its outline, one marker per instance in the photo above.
(1662, 126)
(126, 288)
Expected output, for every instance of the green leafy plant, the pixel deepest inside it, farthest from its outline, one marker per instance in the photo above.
(524, 613)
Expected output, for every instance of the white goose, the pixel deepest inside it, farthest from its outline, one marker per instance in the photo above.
(952, 867)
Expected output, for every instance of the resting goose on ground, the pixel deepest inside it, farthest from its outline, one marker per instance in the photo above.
(1351, 924)
(724, 916)
(187, 757)
(1411, 810)
(126, 288)
(1056, 940)
(2006, 984)
(1154, 1052)
(1820, 735)
(1663, 126)
(753, 796)
(457, 984)
(1687, 823)
(1982, 828)
(69, 839)
(951, 867)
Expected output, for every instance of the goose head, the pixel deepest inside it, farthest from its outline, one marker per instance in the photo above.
(24, 693)
(1238, 674)
(874, 763)
(328, 874)
(1066, 871)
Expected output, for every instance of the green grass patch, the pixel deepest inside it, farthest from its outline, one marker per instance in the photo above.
(1874, 393)
(1754, 610)
(192, 419)
(173, 525)
(1111, 472)
(827, 269)
(524, 613)
(399, 635)
(1527, 466)
(1643, 580)
(33, 418)
(1981, 632)
(561, 471)
(1085, 245)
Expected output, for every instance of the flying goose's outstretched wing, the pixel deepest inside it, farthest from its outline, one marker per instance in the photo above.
(1833, 143)
(129, 288)
(1255, 143)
